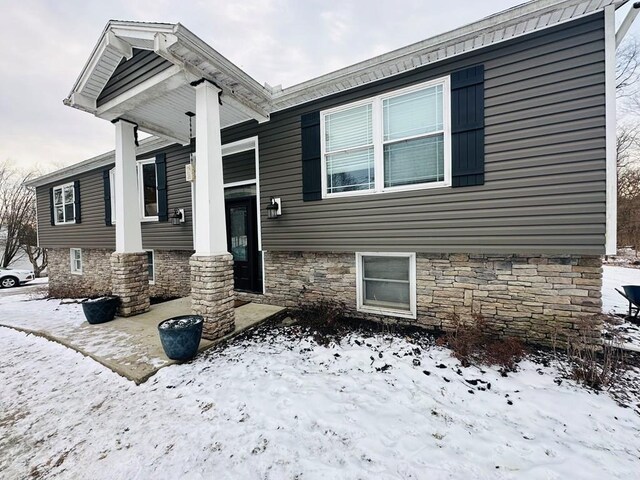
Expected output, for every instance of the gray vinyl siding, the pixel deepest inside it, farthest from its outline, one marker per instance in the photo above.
(143, 65)
(545, 162)
(239, 167)
(93, 233)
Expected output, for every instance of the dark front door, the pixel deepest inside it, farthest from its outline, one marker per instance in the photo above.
(242, 241)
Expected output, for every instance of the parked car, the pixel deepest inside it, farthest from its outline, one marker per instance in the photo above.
(12, 278)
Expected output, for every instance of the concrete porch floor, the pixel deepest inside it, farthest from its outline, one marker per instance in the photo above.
(131, 346)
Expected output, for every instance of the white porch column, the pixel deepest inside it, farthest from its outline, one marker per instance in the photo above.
(210, 223)
(129, 277)
(128, 230)
(212, 294)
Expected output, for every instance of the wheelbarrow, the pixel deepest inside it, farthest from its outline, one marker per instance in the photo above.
(632, 294)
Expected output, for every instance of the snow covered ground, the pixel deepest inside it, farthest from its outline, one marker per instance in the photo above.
(278, 406)
(613, 302)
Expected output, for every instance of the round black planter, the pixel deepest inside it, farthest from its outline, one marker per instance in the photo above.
(100, 310)
(180, 336)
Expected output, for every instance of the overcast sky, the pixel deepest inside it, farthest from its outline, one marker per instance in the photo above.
(44, 45)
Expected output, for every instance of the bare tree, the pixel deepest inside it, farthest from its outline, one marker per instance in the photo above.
(17, 201)
(18, 222)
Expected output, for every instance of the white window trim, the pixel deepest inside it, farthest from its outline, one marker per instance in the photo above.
(72, 259)
(112, 193)
(387, 311)
(377, 119)
(55, 218)
(140, 163)
(152, 281)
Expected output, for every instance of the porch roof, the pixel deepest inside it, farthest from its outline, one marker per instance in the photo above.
(158, 104)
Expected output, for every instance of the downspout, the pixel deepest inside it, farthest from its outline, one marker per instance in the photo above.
(610, 131)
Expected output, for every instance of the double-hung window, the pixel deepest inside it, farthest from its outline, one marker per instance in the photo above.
(387, 283)
(397, 141)
(148, 189)
(64, 204)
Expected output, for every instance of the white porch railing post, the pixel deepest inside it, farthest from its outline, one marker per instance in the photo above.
(128, 230)
(210, 224)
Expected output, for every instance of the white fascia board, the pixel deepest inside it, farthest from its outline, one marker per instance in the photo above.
(203, 50)
(610, 129)
(158, 85)
(160, 131)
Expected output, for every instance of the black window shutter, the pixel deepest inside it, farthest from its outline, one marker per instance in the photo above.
(161, 175)
(106, 182)
(467, 127)
(52, 210)
(76, 201)
(311, 161)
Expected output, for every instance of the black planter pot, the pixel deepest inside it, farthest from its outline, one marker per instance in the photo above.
(180, 336)
(100, 310)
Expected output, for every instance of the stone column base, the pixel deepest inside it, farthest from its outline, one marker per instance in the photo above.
(130, 282)
(212, 293)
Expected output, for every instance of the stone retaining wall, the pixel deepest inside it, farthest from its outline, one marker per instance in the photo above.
(535, 297)
(94, 281)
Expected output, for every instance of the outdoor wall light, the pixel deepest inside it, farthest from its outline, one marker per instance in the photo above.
(274, 209)
(178, 216)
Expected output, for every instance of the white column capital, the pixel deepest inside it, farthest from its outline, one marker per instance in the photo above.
(206, 84)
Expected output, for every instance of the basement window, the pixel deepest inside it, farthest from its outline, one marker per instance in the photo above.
(387, 283)
(151, 267)
(76, 261)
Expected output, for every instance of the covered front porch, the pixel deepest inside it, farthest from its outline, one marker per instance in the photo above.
(129, 346)
(163, 80)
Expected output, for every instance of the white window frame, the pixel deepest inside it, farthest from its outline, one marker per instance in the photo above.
(64, 213)
(74, 270)
(152, 281)
(112, 187)
(412, 312)
(378, 143)
(140, 163)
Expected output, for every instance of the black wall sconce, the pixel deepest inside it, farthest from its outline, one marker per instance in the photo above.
(177, 217)
(274, 209)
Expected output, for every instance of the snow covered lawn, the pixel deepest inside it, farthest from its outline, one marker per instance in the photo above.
(279, 406)
(612, 302)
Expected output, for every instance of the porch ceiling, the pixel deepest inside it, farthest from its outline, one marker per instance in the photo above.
(164, 115)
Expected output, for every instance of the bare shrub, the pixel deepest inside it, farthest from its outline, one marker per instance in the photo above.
(594, 364)
(472, 342)
(325, 318)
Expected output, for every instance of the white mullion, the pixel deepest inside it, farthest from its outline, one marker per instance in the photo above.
(378, 153)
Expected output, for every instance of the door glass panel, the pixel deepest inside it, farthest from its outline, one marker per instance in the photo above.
(239, 238)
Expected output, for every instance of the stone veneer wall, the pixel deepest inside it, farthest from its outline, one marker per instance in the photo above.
(534, 297)
(172, 273)
(94, 281)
